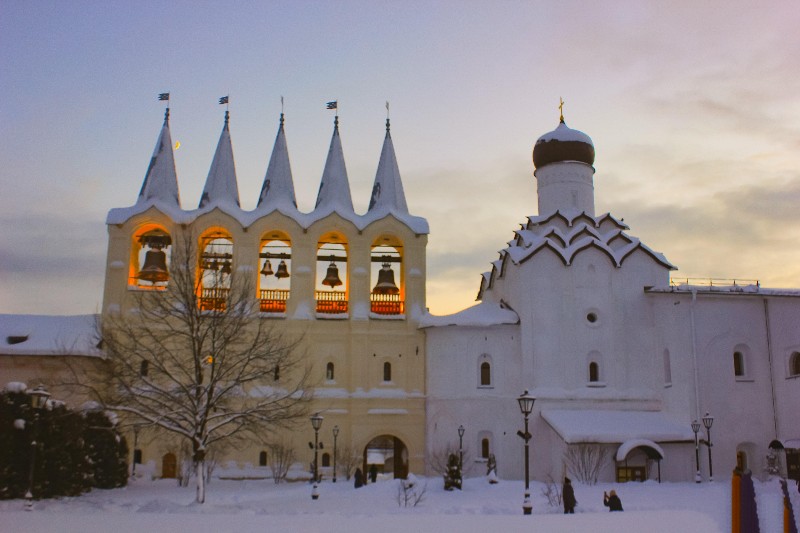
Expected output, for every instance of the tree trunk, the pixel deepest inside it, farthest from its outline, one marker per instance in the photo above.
(200, 473)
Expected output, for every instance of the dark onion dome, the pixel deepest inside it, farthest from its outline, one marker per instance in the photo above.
(563, 144)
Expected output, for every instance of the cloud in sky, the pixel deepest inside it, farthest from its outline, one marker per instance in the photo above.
(692, 108)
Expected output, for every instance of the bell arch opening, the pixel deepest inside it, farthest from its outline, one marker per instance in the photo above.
(331, 280)
(385, 456)
(215, 269)
(387, 296)
(275, 267)
(150, 258)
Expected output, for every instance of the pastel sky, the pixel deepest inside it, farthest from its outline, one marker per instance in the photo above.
(693, 108)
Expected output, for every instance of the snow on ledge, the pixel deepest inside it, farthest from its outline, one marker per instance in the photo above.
(387, 412)
(482, 314)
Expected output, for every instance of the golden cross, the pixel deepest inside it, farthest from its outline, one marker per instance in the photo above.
(561, 109)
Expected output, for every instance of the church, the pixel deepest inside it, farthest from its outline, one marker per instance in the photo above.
(655, 377)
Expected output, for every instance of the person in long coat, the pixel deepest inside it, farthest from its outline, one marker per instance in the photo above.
(612, 501)
(568, 495)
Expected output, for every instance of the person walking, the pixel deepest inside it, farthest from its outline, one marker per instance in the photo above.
(568, 495)
(612, 501)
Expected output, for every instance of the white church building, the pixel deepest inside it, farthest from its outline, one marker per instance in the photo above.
(620, 358)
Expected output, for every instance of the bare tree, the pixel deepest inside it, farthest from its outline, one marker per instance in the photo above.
(347, 460)
(438, 459)
(197, 360)
(281, 458)
(585, 461)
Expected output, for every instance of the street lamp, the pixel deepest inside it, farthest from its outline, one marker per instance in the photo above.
(696, 428)
(38, 400)
(335, 434)
(707, 421)
(526, 406)
(316, 423)
(461, 449)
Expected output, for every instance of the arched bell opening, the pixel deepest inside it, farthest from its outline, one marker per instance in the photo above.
(275, 270)
(331, 280)
(215, 270)
(150, 258)
(387, 295)
(384, 457)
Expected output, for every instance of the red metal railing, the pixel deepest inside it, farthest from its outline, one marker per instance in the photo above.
(273, 300)
(386, 304)
(214, 299)
(333, 302)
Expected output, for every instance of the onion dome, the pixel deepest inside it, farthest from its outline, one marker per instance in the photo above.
(563, 144)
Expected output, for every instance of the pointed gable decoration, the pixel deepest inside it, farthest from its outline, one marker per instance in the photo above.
(161, 180)
(221, 187)
(387, 191)
(334, 189)
(278, 188)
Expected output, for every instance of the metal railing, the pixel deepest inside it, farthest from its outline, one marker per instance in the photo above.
(214, 299)
(331, 302)
(386, 304)
(273, 300)
(713, 282)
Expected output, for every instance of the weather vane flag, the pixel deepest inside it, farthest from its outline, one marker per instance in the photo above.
(334, 104)
(163, 97)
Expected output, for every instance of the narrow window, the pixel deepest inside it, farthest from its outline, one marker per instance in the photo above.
(485, 448)
(794, 364)
(387, 371)
(137, 456)
(486, 374)
(144, 368)
(667, 369)
(594, 372)
(329, 372)
(738, 364)
(276, 373)
(326, 459)
(262, 459)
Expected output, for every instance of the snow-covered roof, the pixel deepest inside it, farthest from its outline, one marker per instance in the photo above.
(334, 188)
(564, 133)
(482, 314)
(221, 188)
(48, 335)
(609, 426)
(277, 192)
(628, 445)
(726, 290)
(161, 180)
(387, 191)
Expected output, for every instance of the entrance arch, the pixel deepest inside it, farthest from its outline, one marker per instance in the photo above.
(388, 454)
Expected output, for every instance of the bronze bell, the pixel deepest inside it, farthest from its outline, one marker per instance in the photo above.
(155, 267)
(226, 267)
(267, 270)
(283, 270)
(332, 277)
(386, 283)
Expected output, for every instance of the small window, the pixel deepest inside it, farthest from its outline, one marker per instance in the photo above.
(667, 369)
(387, 371)
(486, 374)
(16, 339)
(594, 372)
(738, 364)
(592, 318)
(144, 368)
(485, 448)
(326, 459)
(262, 459)
(794, 364)
(276, 373)
(329, 372)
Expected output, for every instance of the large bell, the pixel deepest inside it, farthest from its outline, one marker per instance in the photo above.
(386, 283)
(267, 270)
(332, 277)
(155, 267)
(283, 270)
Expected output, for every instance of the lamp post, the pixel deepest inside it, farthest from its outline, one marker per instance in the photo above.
(696, 428)
(38, 400)
(335, 434)
(526, 406)
(707, 421)
(461, 449)
(316, 423)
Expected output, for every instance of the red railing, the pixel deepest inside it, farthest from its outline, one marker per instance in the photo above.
(333, 302)
(214, 299)
(273, 300)
(386, 304)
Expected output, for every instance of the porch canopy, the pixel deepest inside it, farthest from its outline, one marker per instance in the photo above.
(616, 427)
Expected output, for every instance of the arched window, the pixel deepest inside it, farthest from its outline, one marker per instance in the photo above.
(667, 369)
(329, 372)
(216, 268)
(275, 267)
(486, 374)
(387, 371)
(386, 297)
(262, 459)
(326, 459)
(738, 364)
(794, 364)
(332, 277)
(485, 448)
(144, 368)
(594, 372)
(149, 265)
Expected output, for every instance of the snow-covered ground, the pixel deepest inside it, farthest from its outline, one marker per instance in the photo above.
(260, 505)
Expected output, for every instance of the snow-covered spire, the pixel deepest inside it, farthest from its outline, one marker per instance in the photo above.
(161, 180)
(334, 189)
(278, 187)
(221, 187)
(387, 191)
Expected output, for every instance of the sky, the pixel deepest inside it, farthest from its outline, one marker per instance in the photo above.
(692, 108)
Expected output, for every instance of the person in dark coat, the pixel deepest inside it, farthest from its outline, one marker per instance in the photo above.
(373, 473)
(568, 495)
(359, 479)
(612, 501)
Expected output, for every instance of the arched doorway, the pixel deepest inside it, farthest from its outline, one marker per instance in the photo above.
(169, 466)
(388, 455)
(634, 458)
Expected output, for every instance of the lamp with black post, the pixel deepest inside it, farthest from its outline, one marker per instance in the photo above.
(461, 449)
(335, 434)
(696, 428)
(39, 398)
(708, 420)
(316, 423)
(526, 406)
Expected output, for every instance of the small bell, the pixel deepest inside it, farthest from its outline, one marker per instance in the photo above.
(267, 270)
(283, 270)
(226, 267)
(386, 284)
(332, 277)
(155, 267)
